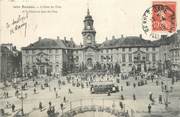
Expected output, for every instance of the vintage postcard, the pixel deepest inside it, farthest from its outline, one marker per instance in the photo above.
(89, 58)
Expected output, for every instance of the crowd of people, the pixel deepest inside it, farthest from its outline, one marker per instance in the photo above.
(85, 80)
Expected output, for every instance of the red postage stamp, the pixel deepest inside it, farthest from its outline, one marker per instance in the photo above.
(164, 16)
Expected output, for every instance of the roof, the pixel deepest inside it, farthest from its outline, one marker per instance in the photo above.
(170, 39)
(50, 43)
(166, 41)
(69, 44)
(4, 49)
(131, 41)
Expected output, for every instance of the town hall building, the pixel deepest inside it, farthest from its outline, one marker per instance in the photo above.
(52, 56)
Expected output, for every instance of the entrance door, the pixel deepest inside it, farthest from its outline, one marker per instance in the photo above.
(42, 70)
(139, 67)
(89, 63)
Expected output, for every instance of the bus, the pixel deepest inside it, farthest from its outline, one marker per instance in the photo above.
(103, 87)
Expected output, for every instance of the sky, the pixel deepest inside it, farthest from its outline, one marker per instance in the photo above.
(111, 18)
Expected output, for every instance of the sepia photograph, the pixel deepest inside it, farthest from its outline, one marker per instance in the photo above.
(89, 58)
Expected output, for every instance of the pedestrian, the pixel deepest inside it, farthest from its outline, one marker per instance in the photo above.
(134, 97)
(160, 99)
(61, 105)
(109, 93)
(134, 85)
(171, 88)
(56, 95)
(122, 97)
(162, 83)
(16, 93)
(121, 105)
(53, 109)
(13, 107)
(157, 83)
(2, 112)
(127, 83)
(166, 104)
(70, 91)
(40, 106)
(162, 88)
(49, 104)
(151, 97)
(152, 78)
(121, 88)
(165, 87)
(172, 81)
(149, 108)
(64, 99)
(34, 90)
(42, 87)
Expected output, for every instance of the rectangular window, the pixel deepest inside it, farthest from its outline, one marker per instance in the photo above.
(56, 50)
(33, 51)
(147, 56)
(147, 49)
(50, 51)
(130, 57)
(106, 50)
(102, 58)
(130, 49)
(123, 58)
(123, 49)
(153, 48)
(56, 57)
(27, 51)
(153, 57)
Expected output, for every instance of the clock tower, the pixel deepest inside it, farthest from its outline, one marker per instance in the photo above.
(88, 32)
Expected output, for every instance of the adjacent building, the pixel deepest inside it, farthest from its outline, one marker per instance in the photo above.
(10, 62)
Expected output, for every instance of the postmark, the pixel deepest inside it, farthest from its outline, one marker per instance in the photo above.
(160, 18)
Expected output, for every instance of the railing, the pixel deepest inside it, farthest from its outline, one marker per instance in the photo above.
(76, 107)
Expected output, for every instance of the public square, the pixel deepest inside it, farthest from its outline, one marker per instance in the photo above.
(105, 59)
(81, 96)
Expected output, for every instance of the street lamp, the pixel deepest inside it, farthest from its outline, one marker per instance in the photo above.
(22, 96)
(166, 98)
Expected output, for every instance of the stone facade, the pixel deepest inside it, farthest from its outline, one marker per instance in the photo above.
(10, 62)
(52, 56)
(175, 53)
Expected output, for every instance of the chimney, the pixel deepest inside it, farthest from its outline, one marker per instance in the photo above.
(113, 37)
(40, 38)
(163, 36)
(64, 38)
(106, 38)
(58, 38)
(71, 39)
(140, 36)
(122, 36)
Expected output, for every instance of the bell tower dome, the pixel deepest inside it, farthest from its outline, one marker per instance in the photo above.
(88, 32)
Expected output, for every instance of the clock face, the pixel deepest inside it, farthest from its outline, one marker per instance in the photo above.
(88, 39)
(88, 27)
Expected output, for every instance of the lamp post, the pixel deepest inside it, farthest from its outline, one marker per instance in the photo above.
(166, 98)
(22, 97)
